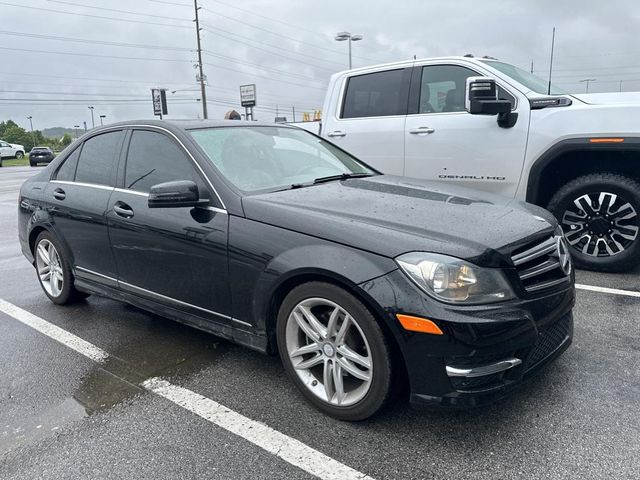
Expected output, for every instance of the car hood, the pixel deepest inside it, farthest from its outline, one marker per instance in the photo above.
(391, 215)
(625, 98)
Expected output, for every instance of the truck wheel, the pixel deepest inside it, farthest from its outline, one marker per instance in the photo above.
(600, 217)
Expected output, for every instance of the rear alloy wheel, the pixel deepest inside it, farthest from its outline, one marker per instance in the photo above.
(334, 350)
(19, 155)
(600, 217)
(54, 272)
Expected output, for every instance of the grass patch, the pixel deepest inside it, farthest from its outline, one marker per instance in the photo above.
(14, 162)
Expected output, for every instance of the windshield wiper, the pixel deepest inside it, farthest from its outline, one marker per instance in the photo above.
(342, 176)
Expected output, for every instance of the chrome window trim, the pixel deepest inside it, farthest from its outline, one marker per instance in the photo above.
(143, 194)
(82, 184)
(132, 192)
(193, 160)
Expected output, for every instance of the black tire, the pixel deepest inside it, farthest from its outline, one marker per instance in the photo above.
(381, 380)
(19, 155)
(627, 190)
(33, 164)
(68, 293)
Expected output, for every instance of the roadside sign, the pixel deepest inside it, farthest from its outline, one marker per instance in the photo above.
(248, 95)
(159, 97)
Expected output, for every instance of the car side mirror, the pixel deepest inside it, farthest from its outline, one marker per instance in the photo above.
(176, 194)
(481, 98)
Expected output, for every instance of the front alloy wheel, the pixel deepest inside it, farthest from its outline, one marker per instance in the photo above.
(600, 217)
(329, 351)
(334, 351)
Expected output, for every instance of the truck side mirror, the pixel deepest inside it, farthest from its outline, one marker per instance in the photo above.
(481, 98)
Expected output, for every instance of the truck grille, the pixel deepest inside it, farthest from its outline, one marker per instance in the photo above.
(543, 265)
(549, 340)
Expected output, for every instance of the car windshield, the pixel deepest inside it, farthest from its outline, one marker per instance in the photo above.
(271, 158)
(529, 80)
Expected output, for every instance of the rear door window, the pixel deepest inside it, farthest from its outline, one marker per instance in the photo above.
(377, 94)
(67, 171)
(98, 159)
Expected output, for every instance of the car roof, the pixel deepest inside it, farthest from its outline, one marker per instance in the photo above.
(191, 124)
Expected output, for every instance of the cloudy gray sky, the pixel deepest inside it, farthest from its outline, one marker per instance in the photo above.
(60, 56)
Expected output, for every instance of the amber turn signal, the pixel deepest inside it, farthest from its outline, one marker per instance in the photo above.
(606, 140)
(418, 324)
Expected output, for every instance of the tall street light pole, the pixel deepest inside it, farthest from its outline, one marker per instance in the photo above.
(33, 136)
(76, 127)
(348, 36)
(93, 123)
(202, 86)
(102, 117)
(587, 81)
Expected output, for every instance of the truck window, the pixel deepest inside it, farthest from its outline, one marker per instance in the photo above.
(442, 89)
(377, 94)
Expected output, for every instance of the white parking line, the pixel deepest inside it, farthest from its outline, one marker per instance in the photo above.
(52, 331)
(288, 449)
(612, 291)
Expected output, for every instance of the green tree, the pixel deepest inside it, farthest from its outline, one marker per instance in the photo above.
(66, 140)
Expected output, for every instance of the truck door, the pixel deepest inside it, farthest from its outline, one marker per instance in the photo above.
(444, 142)
(368, 118)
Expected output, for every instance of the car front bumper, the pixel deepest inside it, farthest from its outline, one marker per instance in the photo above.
(484, 353)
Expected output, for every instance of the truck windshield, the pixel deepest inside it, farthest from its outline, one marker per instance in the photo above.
(532, 82)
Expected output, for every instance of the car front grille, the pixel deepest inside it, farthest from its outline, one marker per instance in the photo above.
(539, 266)
(549, 340)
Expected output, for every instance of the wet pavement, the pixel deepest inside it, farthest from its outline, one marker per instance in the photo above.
(65, 416)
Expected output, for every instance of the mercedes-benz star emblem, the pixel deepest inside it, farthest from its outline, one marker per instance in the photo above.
(564, 258)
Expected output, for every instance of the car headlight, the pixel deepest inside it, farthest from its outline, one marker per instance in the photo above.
(452, 280)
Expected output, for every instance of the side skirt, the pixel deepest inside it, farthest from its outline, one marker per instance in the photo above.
(236, 335)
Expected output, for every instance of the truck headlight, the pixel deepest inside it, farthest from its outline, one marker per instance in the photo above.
(452, 280)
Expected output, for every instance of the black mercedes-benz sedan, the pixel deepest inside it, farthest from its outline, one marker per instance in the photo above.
(278, 240)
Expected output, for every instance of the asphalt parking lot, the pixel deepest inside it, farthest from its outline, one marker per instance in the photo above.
(64, 414)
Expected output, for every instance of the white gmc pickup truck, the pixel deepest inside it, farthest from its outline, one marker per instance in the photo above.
(577, 155)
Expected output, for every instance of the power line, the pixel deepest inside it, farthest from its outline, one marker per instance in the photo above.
(96, 55)
(234, 38)
(30, 7)
(257, 65)
(265, 76)
(266, 30)
(89, 41)
(128, 12)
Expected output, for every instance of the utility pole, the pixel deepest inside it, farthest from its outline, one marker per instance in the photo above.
(76, 128)
(33, 136)
(202, 87)
(293, 110)
(531, 67)
(102, 117)
(620, 85)
(553, 41)
(587, 81)
(93, 123)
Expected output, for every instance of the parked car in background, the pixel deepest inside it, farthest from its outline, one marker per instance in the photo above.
(278, 240)
(576, 155)
(40, 155)
(10, 150)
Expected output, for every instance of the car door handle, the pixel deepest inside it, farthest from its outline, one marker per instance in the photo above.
(336, 133)
(123, 210)
(422, 130)
(59, 194)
